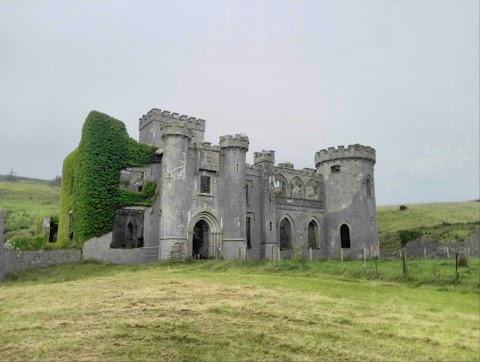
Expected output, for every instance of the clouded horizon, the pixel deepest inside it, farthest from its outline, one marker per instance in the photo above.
(295, 76)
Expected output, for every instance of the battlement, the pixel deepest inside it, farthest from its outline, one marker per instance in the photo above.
(237, 140)
(208, 146)
(355, 151)
(288, 168)
(176, 127)
(166, 116)
(264, 156)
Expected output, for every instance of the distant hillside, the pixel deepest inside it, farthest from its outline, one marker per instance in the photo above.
(29, 180)
(444, 222)
(26, 201)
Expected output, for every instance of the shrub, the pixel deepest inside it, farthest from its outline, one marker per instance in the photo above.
(403, 207)
(407, 235)
(24, 242)
(462, 261)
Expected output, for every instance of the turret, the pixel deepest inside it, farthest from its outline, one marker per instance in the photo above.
(234, 149)
(265, 161)
(350, 211)
(150, 126)
(175, 137)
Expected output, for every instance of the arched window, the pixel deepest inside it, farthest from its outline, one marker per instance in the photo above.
(368, 187)
(285, 234)
(280, 186)
(345, 236)
(313, 235)
(297, 188)
(312, 191)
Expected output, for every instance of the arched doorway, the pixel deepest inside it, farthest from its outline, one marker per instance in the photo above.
(345, 236)
(201, 240)
(285, 234)
(204, 238)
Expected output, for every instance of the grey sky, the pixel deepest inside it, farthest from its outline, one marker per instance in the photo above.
(295, 76)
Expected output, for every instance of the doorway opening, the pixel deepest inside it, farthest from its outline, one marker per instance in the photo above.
(201, 240)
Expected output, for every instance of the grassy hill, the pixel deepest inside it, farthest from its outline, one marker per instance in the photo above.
(26, 202)
(444, 222)
(234, 311)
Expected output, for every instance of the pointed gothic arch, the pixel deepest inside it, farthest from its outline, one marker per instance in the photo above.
(297, 188)
(286, 232)
(210, 225)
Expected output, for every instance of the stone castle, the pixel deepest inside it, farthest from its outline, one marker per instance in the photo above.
(211, 204)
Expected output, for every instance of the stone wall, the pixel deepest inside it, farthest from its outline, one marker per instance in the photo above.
(98, 249)
(16, 261)
(418, 248)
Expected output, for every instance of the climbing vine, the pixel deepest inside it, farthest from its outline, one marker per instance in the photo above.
(91, 177)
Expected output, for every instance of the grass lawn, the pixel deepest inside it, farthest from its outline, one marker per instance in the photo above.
(219, 310)
(26, 203)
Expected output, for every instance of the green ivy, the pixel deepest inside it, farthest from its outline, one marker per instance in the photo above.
(91, 176)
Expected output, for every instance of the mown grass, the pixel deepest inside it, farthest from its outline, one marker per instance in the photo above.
(211, 311)
(25, 204)
(443, 222)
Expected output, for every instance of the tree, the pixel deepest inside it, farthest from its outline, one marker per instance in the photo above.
(11, 176)
(57, 181)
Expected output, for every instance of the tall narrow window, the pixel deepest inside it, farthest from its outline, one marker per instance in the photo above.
(246, 193)
(249, 244)
(312, 235)
(345, 236)
(368, 186)
(204, 184)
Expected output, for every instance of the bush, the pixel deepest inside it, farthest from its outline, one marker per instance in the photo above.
(462, 261)
(24, 242)
(407, 235)
(403, 207)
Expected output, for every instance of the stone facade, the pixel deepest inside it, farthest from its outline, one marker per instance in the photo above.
(211, 204)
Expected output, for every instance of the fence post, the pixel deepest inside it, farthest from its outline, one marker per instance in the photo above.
(404, 262)
(341, 255)
(457, 274)
(448, 253)
(311, 254)
(278, 254)
(468, 252)
(400, 253)
(425, 253)
(364, 261)
(371, 252)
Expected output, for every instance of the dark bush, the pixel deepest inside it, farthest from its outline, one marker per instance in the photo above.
(407, 235)
(403, 207)
(462, 261)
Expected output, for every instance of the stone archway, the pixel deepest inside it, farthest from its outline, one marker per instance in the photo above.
(204, 236)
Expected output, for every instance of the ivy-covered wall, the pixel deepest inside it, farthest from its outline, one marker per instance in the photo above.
(91, 177)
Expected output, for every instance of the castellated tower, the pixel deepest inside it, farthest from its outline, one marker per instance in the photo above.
(176, 136)
(234, 208)
(350, 211)
(265, 162)
(150, 126)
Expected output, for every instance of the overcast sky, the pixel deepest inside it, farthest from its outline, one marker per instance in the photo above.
(295, 76)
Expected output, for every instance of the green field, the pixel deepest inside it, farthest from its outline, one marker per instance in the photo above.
(25, 204)
(219, 311)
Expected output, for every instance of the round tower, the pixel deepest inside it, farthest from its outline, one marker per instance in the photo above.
(350, 211)
(176, 137)
(234, 208)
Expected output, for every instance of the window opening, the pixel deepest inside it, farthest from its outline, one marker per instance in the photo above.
(285, 234)
(249, 244)
(368, 186)
(345, 236)
(335, 169)
(270, 226)
(246, 193)
(204, 184)
(312, 235)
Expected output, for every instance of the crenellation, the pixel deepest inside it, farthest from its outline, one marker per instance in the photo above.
(355, 151)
